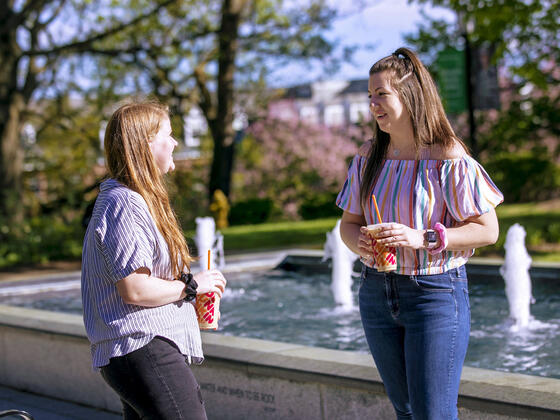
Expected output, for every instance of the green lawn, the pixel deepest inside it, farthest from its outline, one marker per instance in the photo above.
(304, 234)
(541, 221)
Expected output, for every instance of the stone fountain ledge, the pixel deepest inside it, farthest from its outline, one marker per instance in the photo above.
(47, 353)
(64, 280)
(295, 258)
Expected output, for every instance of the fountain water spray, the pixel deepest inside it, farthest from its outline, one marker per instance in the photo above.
(342, 267)
(515, 272)
(207, 238)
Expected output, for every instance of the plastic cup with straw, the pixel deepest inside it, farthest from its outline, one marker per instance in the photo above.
(385, 257)
(208, 308)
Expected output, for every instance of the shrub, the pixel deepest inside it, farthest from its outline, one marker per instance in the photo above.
(319, 206)
(525, 177)
(40, 239)
(252, 211)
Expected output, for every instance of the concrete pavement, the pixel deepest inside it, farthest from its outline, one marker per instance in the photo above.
(43, 408)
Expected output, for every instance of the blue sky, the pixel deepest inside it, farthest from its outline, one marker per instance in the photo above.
(381, 25)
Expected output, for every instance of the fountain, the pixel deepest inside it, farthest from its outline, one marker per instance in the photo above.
(297, 306)
(342, 267)
(515, 272)
(207, 238)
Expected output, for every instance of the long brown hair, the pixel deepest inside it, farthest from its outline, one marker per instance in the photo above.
(130, 161)
(418, 93)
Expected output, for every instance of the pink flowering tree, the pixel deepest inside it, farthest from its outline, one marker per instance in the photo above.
(292, 163)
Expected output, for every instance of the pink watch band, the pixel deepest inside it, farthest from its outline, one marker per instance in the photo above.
(442, 232)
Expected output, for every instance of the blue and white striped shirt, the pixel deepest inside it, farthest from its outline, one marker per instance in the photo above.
(122, 237)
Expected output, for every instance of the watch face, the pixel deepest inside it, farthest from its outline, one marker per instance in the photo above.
(431, 236)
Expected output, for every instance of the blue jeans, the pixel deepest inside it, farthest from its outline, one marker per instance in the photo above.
(417, 328)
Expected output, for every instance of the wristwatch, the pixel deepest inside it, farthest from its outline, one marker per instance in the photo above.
(430, 238)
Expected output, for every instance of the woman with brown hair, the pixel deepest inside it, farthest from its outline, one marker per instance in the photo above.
(437, 203)
(137, 289)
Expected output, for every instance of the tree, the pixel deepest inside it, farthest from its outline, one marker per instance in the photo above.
(193, 52)
(214, 56)
(523, 37)
(523, 33)
(32, 52)
(292, 163)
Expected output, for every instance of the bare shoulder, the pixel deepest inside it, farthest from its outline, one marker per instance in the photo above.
(365, 148)
(455, 151)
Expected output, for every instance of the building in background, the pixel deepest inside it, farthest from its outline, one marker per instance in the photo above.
(332, 103)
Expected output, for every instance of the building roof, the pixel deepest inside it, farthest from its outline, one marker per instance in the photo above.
(355, 86)
(300, 91)
(305, 91)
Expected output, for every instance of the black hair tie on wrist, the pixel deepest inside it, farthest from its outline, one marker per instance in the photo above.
(190, 286)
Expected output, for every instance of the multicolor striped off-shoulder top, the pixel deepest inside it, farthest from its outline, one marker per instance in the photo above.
(420, 193)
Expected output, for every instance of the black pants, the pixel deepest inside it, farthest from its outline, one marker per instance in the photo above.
(155, 382)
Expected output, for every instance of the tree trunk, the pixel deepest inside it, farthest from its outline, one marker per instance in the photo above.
(11, 159)
(222, 132)
(12, 104)
(470, 95)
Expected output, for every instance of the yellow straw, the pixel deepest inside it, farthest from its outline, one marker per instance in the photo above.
(208, 259)
(376, 209)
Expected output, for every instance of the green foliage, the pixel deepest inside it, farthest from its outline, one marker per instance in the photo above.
(40, 239)
(251, 211)
(61, 160)
(541, 224)
(186, 56)
(540, 228)
(530, 122)
(319, 206)
(524, 38)
(523, 31)
(178, 51)
(525, 177)
(60, 182)
(187, 191)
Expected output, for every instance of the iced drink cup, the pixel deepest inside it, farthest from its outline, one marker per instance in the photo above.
(385, 257)
(207, 310)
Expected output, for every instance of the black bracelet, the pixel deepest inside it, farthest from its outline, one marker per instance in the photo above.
(190, 286)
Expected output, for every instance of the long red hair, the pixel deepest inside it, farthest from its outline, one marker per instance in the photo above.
(130, 161)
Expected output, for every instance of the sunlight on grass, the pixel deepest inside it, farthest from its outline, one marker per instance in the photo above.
(540, 220)
(311, 233)
(511, 210)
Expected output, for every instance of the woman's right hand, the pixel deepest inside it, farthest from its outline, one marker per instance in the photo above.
(354, 234)
(210, 281)
(365, 243)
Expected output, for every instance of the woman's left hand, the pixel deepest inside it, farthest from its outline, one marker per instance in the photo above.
(400, 236)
